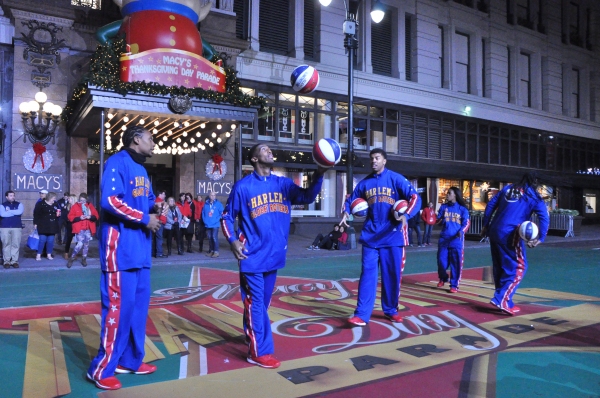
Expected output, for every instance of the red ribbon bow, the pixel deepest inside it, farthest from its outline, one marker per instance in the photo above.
(39, 150)
(217, 159)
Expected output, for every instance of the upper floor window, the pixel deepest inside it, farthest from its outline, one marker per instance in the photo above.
(524, 79)
(574, 33)
(274, 26)
(575, 87)
(94, 4)
(381, 46)
(462, 64)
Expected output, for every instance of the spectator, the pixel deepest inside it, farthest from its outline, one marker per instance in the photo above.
(186, 217)
(45, 220)
(83, 215)
(42, 197)
(211, 215)
(157, 247)
(10, 229)
(172, 227)
(64, 216)
(429, 219)
(413, 225)
(188, 232)
(328, 241)
(343, 243)
(200, 229)
(69, 225)
(43, 194)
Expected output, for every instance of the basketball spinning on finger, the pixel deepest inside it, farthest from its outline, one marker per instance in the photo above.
(326, 152)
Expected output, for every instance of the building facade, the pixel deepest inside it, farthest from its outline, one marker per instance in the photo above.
(470, 93)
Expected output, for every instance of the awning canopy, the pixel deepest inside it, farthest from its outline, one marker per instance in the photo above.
(203, 124)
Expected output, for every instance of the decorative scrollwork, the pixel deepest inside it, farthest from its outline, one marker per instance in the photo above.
(180, 103)
(42, 48)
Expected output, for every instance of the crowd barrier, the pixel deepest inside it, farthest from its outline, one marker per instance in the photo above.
(559, 222)
(476, 227)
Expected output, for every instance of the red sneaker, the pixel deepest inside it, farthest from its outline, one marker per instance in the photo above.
(453, 290)
(108, 383)
(144, 369)
(265, 361)
(356, 321)
(510, 311)
(394, 318)
(440, 283)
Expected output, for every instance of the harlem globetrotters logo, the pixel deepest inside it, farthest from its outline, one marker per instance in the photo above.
(196, 330)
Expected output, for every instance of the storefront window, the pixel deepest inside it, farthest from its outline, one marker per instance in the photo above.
(376, 136)
(266, 117)
(287, 117)
(590, 203)
(324, 126)
(305, 126)
(391, 137)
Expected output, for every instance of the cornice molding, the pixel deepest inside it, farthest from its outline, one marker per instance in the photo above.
(27, 15)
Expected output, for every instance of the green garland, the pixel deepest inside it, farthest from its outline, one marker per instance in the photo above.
(104, 73)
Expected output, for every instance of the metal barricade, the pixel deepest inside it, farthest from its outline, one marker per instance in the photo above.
(560, 222)
(476, 226)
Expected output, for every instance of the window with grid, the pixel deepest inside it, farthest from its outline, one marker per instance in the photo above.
(441, 42)
(274, 26)
(524, 79)
(461, 66)
(240, 7)
(575, 88)
(381, 46)
(523, 13)
(408, 47)
(310, 33)
(574, 32)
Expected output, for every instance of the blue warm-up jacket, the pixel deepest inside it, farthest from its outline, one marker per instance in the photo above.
(126, 198)
(454, 219)
(263, 207)
(513, 207)
(381, 191)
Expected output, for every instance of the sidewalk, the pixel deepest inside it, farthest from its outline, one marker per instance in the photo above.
(297, 248)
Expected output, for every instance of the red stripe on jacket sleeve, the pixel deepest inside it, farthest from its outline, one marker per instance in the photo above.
(123, 209)
(412, 203)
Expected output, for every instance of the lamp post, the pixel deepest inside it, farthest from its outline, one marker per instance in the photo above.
(351, 44)
(39, 131)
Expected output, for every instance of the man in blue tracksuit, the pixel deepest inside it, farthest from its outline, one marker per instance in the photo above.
(262, 203)
(125, 257)
(383, 237)
(511, 207)
(454, 218)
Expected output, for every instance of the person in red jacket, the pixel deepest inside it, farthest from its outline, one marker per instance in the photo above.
(429, 218)
(200, 229)
(83, 215)
(185, 208)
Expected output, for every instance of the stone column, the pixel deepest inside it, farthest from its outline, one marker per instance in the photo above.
(78, 165)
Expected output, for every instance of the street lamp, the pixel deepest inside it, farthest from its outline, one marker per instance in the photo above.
(39, 131)
(351, 44)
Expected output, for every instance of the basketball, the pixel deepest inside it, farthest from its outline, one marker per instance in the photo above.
(304, 79)
(528, 231)
(359, 207)
(399, 208)
(326, 152)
